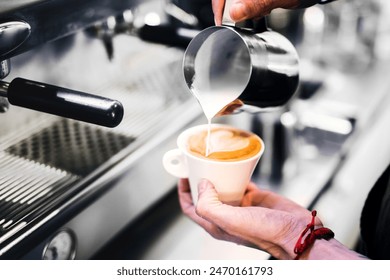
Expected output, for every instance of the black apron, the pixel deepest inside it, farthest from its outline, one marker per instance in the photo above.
(375, 221)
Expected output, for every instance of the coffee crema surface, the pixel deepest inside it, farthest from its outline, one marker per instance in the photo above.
(226, 144)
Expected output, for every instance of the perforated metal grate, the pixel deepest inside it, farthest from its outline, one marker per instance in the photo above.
(71, 146)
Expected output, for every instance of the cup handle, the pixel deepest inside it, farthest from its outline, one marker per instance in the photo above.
(174, 163)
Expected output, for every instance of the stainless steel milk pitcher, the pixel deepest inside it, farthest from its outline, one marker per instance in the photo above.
(246, 63)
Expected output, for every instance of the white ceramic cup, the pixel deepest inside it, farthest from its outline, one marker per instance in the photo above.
(230, 178)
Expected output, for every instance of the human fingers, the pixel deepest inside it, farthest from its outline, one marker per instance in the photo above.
(188, 208)
(255, 196)
(211, 199)
(186, 203)
(246, 9)
(218, 7)
(212, 209)
(252, 9)
(266, 228)
(249, 9)
(184, 193)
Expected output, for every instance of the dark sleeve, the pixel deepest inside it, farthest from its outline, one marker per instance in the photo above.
(375, 220)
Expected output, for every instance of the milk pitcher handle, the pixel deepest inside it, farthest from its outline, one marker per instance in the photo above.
(257, 26)
(226, 19)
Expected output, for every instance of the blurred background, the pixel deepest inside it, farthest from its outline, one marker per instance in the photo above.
(75, 190)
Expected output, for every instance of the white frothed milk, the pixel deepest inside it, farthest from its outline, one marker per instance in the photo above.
(212, 104)
(227, 144)
(221, 65)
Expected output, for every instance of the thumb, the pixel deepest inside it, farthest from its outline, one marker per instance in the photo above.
(239, 11)
(242, 9)
(207, 193)
(209, 206)
(227, 218)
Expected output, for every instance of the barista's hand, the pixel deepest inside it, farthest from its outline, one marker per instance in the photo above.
(265, 220)
(251, 9)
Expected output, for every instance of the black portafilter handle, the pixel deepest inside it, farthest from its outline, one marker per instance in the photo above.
(63, 102)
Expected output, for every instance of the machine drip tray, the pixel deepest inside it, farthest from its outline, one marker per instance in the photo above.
(71, 146)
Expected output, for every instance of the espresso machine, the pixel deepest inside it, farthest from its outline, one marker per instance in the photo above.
(88, 109)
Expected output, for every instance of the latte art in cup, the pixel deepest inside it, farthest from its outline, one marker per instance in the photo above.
(229, 165)
(225, 144)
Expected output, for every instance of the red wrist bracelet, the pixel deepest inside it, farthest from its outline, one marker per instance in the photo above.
(319, 233)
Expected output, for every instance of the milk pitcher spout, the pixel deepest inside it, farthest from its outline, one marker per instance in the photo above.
(243, 64)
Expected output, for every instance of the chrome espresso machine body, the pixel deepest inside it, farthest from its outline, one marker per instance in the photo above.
(69, 183)
(72, 187)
